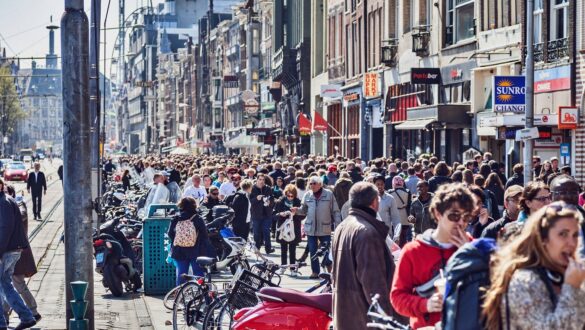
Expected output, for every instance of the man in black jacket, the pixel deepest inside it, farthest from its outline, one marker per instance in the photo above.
(512, 209)
(262, 202)
(240, 203)
(36, 185)
(13, 240)
(517, 178)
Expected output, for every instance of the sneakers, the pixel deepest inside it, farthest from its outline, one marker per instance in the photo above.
(270, 251)
(314, 276)
(37, 317)
(294, 273)
(281, 271)
(26, 325)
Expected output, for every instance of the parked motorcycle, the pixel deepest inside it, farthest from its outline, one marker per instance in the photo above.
(229, 248)
(116, 260)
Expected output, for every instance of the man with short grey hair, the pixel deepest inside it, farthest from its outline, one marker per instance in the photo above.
(322, 213)
(362, 262)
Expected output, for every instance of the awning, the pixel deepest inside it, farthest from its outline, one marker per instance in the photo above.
(415, 124)
(242, 141)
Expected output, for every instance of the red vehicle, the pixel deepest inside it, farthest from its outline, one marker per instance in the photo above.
(15, 171)
(286, 309)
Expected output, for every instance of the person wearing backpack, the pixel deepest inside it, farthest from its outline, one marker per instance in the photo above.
(536, 280)
(288, 232)
(190, 241)
(413, 291)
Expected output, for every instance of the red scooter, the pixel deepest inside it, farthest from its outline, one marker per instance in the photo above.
(285, 309)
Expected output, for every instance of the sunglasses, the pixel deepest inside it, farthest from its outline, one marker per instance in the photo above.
(456, 217)
(543, 199)
(312, 183)
(557, 207)
(214, 194)
(290, 196)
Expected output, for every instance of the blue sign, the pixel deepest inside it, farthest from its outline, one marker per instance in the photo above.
(509, 94)
(565, 149)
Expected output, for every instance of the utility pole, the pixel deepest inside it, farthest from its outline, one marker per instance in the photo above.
(528, 144)
(77, 153)
(95, 99)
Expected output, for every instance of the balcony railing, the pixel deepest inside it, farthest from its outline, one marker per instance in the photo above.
(539, 52)
(336, 68)
(557, 49)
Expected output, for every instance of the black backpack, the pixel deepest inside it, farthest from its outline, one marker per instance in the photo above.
(468, 276)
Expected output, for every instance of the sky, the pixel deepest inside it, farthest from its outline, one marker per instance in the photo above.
(23, 31)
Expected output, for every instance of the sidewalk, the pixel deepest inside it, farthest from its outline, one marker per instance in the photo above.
(160, 316)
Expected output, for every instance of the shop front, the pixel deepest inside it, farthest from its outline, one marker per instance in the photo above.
(442, 130)
(352, 121)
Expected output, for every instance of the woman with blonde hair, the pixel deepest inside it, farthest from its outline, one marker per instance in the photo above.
(535, 280)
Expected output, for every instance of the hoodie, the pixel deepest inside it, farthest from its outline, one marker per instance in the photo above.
(421, 260)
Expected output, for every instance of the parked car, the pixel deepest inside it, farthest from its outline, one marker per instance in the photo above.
(16, 171)
(3, 163)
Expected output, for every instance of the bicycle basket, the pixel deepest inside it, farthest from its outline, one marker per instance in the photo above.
(266, 271)
(244, 291)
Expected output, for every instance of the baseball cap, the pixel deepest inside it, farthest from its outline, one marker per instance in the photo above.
(332, 168)
(513, 191)
(164, 173)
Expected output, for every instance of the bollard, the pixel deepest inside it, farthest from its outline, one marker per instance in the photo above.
(79, 306)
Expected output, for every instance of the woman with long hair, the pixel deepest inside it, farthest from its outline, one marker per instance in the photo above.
(281, 214)
(536, 195)
(126, 177)
(495, 185)
(535, 280)
(546, 171)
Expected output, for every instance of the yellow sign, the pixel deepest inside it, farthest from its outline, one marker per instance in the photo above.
(371, 88)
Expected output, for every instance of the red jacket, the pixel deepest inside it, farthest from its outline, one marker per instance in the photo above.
(420, 261)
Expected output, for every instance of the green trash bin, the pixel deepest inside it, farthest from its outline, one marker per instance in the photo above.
(159, 275)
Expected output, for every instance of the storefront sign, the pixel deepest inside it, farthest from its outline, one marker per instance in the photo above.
(568, 117)
(351, 97)
(565, 149)
(552, 143)
(331, 91)
(371, 85)
(507, 133)
(509, 94)
(453, 74)
(554, 79)
(425, 76)
(258, 131)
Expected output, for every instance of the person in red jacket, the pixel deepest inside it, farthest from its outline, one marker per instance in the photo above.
(413, 292)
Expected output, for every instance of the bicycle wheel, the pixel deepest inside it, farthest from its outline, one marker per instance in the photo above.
(225, 318)
(169, 300)
(185, 306)
(210, 322)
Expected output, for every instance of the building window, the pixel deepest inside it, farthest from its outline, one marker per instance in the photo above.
(559, 19)
(460, 17)
(538, 12)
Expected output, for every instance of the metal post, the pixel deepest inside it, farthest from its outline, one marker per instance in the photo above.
(528, 144)
(77, 152)
(95, 99)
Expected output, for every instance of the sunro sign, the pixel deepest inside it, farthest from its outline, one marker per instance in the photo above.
(509, 94)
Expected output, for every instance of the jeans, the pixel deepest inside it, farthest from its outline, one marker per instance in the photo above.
(313, 242)
(7, 290)
(292, 253)
(37, 200)
(261, 229)
(183, 268)
(19, 282)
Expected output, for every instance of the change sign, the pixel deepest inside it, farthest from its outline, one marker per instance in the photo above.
(509, 94)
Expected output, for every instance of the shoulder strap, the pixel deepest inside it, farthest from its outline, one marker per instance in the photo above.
(551, 293)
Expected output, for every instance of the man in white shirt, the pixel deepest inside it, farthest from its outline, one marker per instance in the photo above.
(196, 190)
(230, 187)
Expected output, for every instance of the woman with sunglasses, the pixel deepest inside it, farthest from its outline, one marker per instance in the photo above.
(536, 281)
(413, 292)
(536, 195)
(281, 214)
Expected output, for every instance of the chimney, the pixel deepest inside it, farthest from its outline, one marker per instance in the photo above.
(51, 58)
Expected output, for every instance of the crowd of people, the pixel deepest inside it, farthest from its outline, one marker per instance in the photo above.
(395, 226)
